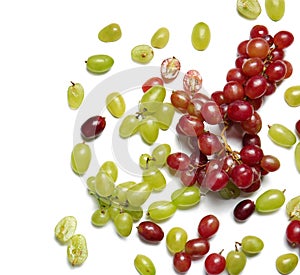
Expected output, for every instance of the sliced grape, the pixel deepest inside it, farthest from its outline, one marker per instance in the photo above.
(65, 229)
(77, 250)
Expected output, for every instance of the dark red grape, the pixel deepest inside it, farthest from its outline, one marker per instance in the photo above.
(150, 231)
(197, 247)
(214, 264)
(182, 261)
(243, 210)
(93, 127)
(251, 154)
(293, 232)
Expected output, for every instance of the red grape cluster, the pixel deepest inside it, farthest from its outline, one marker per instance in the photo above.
(259, 69)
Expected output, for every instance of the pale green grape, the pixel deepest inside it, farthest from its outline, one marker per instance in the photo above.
(270, 201)
(286, 263)
(99, 63)
(123, 223)
(90, 182)
(129, 126)
(252, 244)
(110, 33)
(160, 154)
(293, 208)
(160, 38)
(75, 95)
(145, 160)
(161, 210)
(100, 217)
(200, 36)
(281, 135)
(249, 9)
(110, 168)
(275, 9)
(176, 239)
(149, 129)
(155, 177)
(77, 250)
(186, 197)
(121, 190)
(135, 212)
(115, 104)
(142, 54)
(152, 98)
(139, 193)
(114, 210)
(230, 191)
(104, 184)
(235, 262)
(80, 158)
(65, 228)
(292, 96)
(144, 265)
(297, 156)
(164, 115)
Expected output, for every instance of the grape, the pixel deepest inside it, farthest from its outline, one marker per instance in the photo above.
(197, 247)
(297, 156)
(176, 239)
(186, 197)
(180, 100)
(155, 94)
(145, 160)
(283, 39)
(161, 210)
(129, 126)
(99, 63)
(237, 74)
(252, 66)
(115, 104)
(235, 262)
(281, 135)
(256, 86)
(252, 244)
(178, 161)
(139, 193)
(293, 208)
(275, 9)
(293, 232)
(160, 38)
(135, 212)
(243, 210)
(149, 129)
(269, 163)
(155, 178)
(77, 250)
(189, 177)
(249, 9)
(104, 184)
(242, 175)
(286, 263)
(233, 90)
(75, 95)
(208, 226)
(152, 81)
(239, 110)
(251, 155)
(144, 265)
(65, 229)
(215, 180)
(114, 210)
(252, 125)
(190, 125)
(150, 231)
(80, 158)
(292, 96)
(214, 264)
(93, 127)
(200, 36)
(100, 217)
(170, 68)
(110, 168)
(123, 223)
(259, 31)
(182, 261)
(277, 54)
(230, 191)
(192, 82)
(297, 127)
(211, 113)
(160, 154)
(142, 54)
(164, 115)
(110, 33)
(269, 201)
(209, 143)
(90, 182)
(276, 71)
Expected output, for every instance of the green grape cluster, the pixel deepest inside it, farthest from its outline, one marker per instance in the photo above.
(153, 115)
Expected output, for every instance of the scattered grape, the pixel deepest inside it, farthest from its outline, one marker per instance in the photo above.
(243, 210)
(249, 9)
(293, 233)
(139, 193)
(182, 261)
(142, 54)
(123, 223)
(99, 64)
(252, 244)
(201, 36)
(115, 104)
(80, 158)
(150, 231)
(100, 217)
(176, 239)
(286, 263)
(275, 9)
(170, 68)
(270, 201)
(197, 247)
(75, 95)
(235, 262)
(144, 265)
(208, 226)
(215, 263)
(161, 210)
(110, 33)
(186, 197)
(292, 96)
(281, 135)
(160, 38)
(93, 127)
(65, 229)
(77, 250)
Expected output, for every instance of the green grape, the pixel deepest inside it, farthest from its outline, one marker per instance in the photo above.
(110, 33)
(144, 161)
(292, 96)
(77, 250)
(155, 178)
(100, 217)
(176, 239)
(115, 104)
(160, 154)
(161, 210)
(252, 244)
(235, 262)
(144, 265)
(90, 182)
(80, 158)
(142, 54)
(275, 9)
(270, 201)
(149, 129)
(293, 208)
(152, 99)
(139, 193)
(186, 197)
(121, 190)
(201, 36)
(123, 223)
(297, 156)
(160, 38)
(286, 263)
(230, 191)
(65, 229)
(164, 115)
(135, 212)
(281, 135)
(75, 95)
(129, 126)
(114, 210)
(249, 9)
(104, 184)
(99, 63)
(110, 168)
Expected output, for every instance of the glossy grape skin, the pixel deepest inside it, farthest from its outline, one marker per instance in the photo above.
(251, 154)
(251, 67)
(283, 39)
(256, 86)
(281, 135)
(239, 110)
(269, 201)
(104, 184)
(152, 81)
(149, 129)
(178, 161)
(77, 250)
(293, 233)
(215, 180)
(248, 9)
(164, 115)
(142, 54)
(110, 168)
(258, 47)
(243, 210)
(123, 223)
(160, 38)
(129, 126)
(233, 90)
(252, 245)
(252, 125)
(190, 125)
(65, 229)
(276, 71)
(286, 263)
(150, 231)
(200, 36)
(297, 156)
(155, 94)
(80, 158)
(115, 104)
(270, 163)
(180, 100)
(211, 113)
(110, 33)
(139, 193)
(160, 154)
(292, 96)
(209, 143)
(100, 217)
(186, 197)
(99, 64)
(155, 178)
(161, 210)
(93, 127)
(214, 264)
(75, 95)
(176, 239)
(275, 9)
(208, 226)
(259, 31)
(182, 261)
(235, 262)
(144, 265)
(242, 175)
(197, 247)
(297, 127)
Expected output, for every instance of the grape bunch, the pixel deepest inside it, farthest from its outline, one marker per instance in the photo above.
(260, 67)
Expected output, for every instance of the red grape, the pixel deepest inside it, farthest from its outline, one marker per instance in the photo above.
(242, 175)
(180, 100)
(258, 47)
(297, 127)
(178, 161)
(152, 82)
(239, 110)
(259, 31)
(269, 163)
(211, 113)
(209, 143)
(150, 231)
(293, 232)
(197, 247)
(214, 264)
(182, 261)
(251, 154)
(243, 210)
(190, 125)
(208, 226)
(283, 39)
(93, 127)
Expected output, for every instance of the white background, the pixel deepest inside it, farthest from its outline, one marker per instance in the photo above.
(43, 47)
